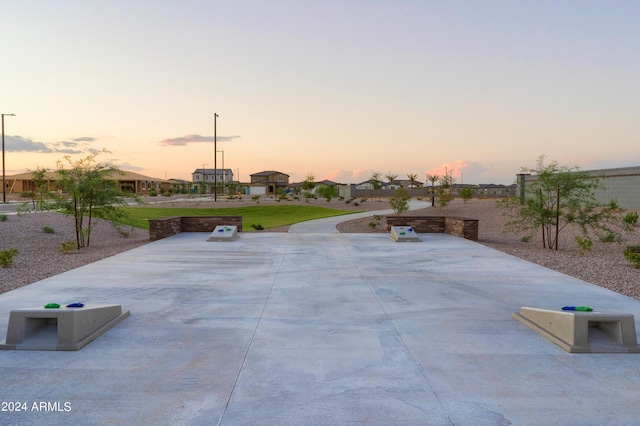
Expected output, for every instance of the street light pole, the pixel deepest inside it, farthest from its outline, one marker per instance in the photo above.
(215, 158)
(4, 185)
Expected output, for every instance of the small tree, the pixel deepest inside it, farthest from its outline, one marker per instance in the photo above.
(88, 190)
(559, 197)
(444, 191)
(328, 192)
(308, 184)
(466, 194)
(41, 188)
(400, 201)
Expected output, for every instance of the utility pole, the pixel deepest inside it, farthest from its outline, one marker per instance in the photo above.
(215, 158)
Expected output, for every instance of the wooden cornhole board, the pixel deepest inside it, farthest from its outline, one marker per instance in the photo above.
(63, 329)
(402, 234)
(583, 332)
(224, 233)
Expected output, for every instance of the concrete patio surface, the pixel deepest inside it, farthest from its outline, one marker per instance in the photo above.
(318, 329)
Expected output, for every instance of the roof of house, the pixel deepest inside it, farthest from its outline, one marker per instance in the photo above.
(51, 175)
(268, 173)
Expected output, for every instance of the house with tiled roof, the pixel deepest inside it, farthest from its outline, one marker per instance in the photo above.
(272, 180)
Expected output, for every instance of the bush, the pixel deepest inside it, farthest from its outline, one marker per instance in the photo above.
(631, 218)
(585, 244)
(6, 257)
(27, 194)
(153, 193)
(4, 217)
(48, 230)
(67, 247)
(632, 253)
(372, 225)
(257, 227)
(610, 237)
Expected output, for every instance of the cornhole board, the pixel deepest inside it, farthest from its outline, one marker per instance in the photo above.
(402, 234)
(583, 332)
(224, 233)
(63, 329)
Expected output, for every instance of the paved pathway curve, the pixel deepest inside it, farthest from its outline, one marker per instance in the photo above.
(328, 224)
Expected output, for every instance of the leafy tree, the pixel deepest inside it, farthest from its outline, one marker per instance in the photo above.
(88, 190)
(42, 188)
(308, 184)
(400, 201)
(466, 194)
(328, 192)
(560, 197)
(444, 190)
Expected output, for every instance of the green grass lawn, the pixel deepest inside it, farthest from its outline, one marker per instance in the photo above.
(267, 216)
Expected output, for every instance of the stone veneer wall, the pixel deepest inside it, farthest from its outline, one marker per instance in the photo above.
(168, 226)
(456, 226)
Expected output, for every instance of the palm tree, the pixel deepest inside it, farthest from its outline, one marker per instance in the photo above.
(433, 179)
(376, 183)
(413, 178)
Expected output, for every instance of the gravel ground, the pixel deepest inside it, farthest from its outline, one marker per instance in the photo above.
(38, 256)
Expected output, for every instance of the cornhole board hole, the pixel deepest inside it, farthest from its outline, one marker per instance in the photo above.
(224, 233)
(63, 329)
(583, 332)
(402, 234)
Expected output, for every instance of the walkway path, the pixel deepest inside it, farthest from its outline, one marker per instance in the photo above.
(328, 224)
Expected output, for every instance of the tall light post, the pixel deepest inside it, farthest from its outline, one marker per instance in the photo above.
(4, 185)
(215, 158)
(224, 175)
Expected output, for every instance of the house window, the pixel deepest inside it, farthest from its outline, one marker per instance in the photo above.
(280, 178)
(144, 185)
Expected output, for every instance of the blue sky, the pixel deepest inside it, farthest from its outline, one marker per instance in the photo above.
(339, 89)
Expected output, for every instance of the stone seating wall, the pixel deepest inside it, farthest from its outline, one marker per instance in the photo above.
(168, 226)
(456, 226)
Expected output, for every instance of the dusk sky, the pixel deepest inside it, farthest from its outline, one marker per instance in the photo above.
(339, 89)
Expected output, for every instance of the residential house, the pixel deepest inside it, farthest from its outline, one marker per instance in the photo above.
(126, 181)
(272, 181)
(205, 179)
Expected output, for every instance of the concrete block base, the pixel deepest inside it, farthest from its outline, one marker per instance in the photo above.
(403, 234)
(583, 332)
(64, 329)
(224, 233)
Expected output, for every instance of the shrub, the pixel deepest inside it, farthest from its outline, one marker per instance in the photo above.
(585, 244)
(466, 194)
(526, 238)
(23, 209)
(613, 205)
(257, 227)
(609, 237)
(6, 257)
(4, 217)
(153, 193)
(27, 194)
(373, 225)
(631, 218)
(632, 253)
(67, 247)
(48, 230)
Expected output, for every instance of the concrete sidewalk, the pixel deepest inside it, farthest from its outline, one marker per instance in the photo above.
(323, 329)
